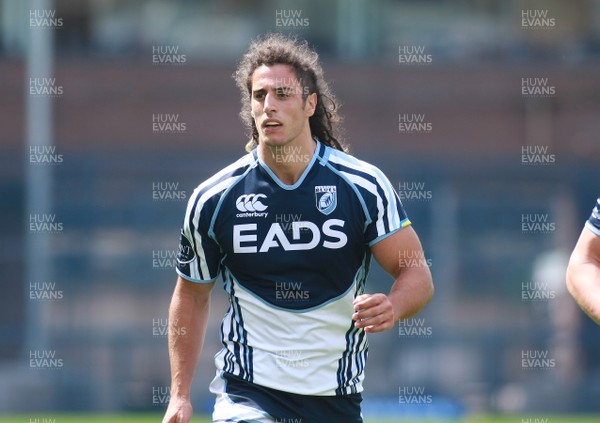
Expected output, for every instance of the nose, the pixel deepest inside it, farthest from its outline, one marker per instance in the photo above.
(269, 104)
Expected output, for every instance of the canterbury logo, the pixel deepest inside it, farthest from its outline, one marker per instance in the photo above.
(250, 203)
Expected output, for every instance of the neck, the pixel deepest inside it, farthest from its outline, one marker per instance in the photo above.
(289, 161)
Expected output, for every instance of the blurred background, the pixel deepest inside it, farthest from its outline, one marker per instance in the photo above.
(483, 114)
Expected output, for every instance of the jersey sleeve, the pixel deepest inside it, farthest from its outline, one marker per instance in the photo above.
(386, 213)
(199, 255)
(593, 223)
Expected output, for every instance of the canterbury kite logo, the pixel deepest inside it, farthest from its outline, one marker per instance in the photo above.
(250, 203)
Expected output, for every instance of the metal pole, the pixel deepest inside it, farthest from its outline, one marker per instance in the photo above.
(38, 133)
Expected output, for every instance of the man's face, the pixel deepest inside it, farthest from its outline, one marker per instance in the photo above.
(279, 110)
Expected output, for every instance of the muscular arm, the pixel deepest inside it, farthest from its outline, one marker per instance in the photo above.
(583, 274)
(400, 255)
(188, 316)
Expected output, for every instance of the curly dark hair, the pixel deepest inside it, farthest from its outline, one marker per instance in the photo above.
(271, 49)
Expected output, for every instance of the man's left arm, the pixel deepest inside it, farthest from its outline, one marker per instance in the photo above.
(400, 255)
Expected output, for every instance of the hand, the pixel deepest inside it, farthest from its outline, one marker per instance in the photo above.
(179, 411)
(373, 312)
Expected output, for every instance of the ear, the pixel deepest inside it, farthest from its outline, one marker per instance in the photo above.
(310, 104)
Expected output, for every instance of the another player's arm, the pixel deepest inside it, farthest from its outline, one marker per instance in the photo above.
(411, 291)
(188, 316)
(583, 273)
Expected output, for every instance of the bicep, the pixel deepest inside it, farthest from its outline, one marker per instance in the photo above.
(197, 291)
(399, 250)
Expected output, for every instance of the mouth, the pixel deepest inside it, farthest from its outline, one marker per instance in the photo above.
(271, 124)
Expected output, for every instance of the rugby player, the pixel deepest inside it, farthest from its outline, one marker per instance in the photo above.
(291, 228)
(583, 271)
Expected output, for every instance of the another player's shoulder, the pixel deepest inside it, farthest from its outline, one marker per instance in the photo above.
(220, 181)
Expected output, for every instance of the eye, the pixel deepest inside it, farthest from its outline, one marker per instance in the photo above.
(259, 95)
(283, 92)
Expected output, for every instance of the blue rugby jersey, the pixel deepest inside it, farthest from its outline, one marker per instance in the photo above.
(292, 258)
(593, 223)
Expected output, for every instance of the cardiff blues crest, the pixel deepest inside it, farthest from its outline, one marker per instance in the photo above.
(326, 196)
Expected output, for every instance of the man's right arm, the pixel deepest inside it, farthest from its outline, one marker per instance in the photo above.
(188, 317)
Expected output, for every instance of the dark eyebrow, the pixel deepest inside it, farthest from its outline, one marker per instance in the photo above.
(282, 88)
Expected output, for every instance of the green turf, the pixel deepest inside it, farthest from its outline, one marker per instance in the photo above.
(152, 418)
